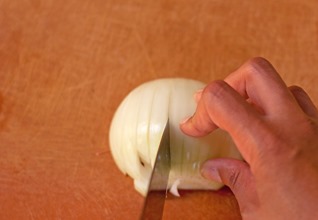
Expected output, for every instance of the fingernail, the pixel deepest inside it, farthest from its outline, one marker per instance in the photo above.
(197, 95)
(211, 173)
(185, 120)
(199, 91)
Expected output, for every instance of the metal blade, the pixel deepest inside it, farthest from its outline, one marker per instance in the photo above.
(155, 200)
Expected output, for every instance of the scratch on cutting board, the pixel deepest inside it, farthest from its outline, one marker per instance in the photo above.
(144, 48)
(139, 40)
(36, 134)
(107, 212)
(119, 22)
(90, 197)
(30, 212)
(81, 85)
(75, 171)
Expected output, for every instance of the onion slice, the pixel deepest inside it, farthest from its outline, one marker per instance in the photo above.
(174, 188)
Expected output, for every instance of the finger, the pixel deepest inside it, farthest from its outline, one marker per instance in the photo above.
(200, 123)
(258, 81)
(197, 95)
(221, 106)
(235, 174)
(304, 101)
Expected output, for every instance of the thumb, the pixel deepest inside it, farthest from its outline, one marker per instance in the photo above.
(237, 175)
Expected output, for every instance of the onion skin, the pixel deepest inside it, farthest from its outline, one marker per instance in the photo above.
(138, 125)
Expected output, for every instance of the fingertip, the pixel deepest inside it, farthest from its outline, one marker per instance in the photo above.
(210, 172)
(237, 176)
(232, 172)
(183, 124)
(190, 126)
(185, 120)
(187, 127)
(197, 95)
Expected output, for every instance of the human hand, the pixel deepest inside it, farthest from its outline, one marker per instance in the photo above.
(275, 128)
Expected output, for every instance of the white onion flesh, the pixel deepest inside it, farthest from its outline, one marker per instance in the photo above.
(138, 125)
(174, 188)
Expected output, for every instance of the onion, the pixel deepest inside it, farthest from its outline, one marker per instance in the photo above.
(138, 125)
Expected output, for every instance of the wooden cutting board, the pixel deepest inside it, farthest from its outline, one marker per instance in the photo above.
(66, 65)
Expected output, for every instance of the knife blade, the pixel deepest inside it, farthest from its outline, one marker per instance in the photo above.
(157, 190)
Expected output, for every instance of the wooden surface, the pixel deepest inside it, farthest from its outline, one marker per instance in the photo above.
(66, 65)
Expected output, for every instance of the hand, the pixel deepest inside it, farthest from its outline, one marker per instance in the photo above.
(275, 128)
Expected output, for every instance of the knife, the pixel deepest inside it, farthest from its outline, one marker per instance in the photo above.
(157, 190)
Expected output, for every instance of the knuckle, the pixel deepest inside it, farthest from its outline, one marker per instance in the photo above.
(309, 126)
(216, 89)
(287, 144)
(296, 89)
(258, 65)
(259, 62)
(234, 177)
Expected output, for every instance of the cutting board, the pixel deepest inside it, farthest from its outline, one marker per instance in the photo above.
(66, 65)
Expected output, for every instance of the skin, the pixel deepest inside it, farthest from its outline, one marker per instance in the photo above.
(275, 128)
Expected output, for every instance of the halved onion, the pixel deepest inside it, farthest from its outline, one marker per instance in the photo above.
(138, 125)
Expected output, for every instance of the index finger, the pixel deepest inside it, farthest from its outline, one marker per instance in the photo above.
(224, 105)
(258, 81)
(221, 106)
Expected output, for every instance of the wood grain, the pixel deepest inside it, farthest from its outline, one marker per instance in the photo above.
(66, 65)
